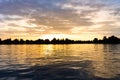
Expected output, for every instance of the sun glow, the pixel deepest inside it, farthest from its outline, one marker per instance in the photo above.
(51, 36)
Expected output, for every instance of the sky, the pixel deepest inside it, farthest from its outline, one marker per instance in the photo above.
(73, 19)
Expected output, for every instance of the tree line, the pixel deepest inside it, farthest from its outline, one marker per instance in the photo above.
(105, 40)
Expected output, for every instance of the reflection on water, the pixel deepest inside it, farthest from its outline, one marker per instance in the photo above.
(18, 62)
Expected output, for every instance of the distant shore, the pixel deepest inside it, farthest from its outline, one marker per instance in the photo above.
(105, 40)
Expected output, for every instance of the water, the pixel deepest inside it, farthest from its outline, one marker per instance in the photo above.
(60, 62)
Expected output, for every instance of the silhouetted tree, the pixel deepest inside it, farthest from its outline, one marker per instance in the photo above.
(105, 39)
(28, 42)
(22, 41)
(78, 41)
(15, 41)
(54, 41)
(67, 41)
(61, 41)
(0, 41)
(47, 41)
(7, 41)
(113, 39)
(95, 40)
(39, 41)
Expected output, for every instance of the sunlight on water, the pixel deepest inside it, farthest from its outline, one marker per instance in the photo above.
(98, 60)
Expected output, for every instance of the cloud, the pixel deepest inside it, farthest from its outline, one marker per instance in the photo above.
(80, 17)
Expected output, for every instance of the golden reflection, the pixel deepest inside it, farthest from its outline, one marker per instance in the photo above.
(102, 63)
(100, 56)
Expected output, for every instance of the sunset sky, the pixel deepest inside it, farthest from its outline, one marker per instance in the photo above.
(73, 19)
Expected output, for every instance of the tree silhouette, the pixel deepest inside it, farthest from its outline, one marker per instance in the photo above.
(47, 41)
(0, 40)
(54, 41)
(95, 40)
(113, 39)
(15, 41)
(22, 41)
(105, 39)
(110, 40)
(39, 41)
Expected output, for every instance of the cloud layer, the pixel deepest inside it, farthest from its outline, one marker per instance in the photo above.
(80, 19)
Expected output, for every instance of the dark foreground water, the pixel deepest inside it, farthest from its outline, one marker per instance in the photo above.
(60, 62)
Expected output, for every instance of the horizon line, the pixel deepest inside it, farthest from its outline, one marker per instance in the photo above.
(59, 38)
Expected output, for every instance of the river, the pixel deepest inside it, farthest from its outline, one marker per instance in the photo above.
(60, 62)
